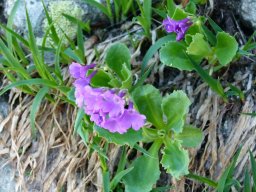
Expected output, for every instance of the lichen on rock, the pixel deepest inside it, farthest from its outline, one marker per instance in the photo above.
(62, 25)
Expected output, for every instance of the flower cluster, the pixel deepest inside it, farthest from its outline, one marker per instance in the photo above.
(178, 27)
(107, 107)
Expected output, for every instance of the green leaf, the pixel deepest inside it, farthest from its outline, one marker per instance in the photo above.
(226, 48)
(175, 107)
(127, 78)
(175, 159)
(35, 107)
(129, 138)
(35, 82)
(227, 175)
(199, 46)
(154, 48)
(247, 181)
(145, 173)
(106, 181)
(213, 83)
(202, 179)
(173, 54)
(101, 79)
(118, 55)
(148, 100)
(118, 177)
(190, 136)
(214, 25)
(191, 7)
(253, 167)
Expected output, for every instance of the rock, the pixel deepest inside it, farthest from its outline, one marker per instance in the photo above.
(242, 9)
(76, 8)
(248, 12)
(7, 177)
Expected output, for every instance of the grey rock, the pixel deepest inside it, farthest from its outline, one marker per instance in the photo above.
(76, 8)
(7, 177)
(248, 11)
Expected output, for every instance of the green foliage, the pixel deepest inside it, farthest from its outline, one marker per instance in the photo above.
(145, 171)
(199, 46)
(154, 48)
(116, 56)
(175, 107)
(190, 136)
(175, 159)
(129, 138)
(148, 100)
(226, 48)
(173, 54)
(145, 17)
(35, 107)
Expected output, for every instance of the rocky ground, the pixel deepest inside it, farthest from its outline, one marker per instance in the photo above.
(44, 162)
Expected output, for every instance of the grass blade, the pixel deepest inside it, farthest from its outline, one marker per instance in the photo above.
(53, 33)
(12, 61)
(40, 66)
(247, 182)
(30, 82)
(202, 179)
(118, 177)
(253, 167)
(228, 174)
(214, 25)
(85, 26)
(99, 6)
(35, 107)
(213, 83)
(10, 23)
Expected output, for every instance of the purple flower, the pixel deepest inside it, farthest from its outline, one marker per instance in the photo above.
(179, 27)
(107, 108)
(78, 71)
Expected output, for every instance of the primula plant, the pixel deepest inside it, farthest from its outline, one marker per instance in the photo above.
(113, 106)
(196, 42)
(125, 116)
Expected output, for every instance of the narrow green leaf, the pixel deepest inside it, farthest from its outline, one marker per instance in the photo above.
(100, 6)
(247, 181)
(118, 177)
(253, 167)
(202, 179)
(228, 174)
(80, 43)
(148, 100)
(31, 82)
(12, 61)
(106, 181)
(215, 27)
(213, 83)
(190, 136)
(175, 107)
(10, 23)
(209, 35)
(35, 107)
(16, 35)
(53, 34)
(85, 26)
